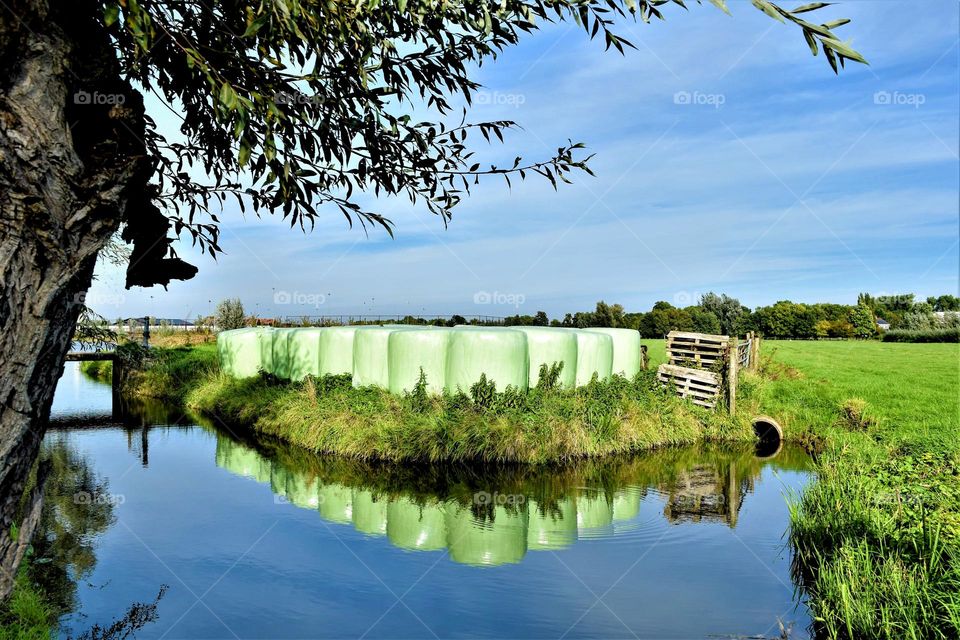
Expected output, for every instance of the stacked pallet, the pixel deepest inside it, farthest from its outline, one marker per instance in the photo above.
(698, 350)
(699, 386)
(694, 365)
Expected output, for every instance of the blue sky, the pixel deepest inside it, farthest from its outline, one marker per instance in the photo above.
(727, 159)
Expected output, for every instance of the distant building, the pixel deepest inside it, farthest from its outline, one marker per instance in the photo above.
(883, 325)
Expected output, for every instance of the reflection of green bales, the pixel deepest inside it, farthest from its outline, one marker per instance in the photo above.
(303, 351)
(336, 503)
(241, 460)
(626, 350)
(549, 345)
(552, 528)
(594, 511)
(626, 503)
(369, 512)
(412, 351)
(501, 539)
(412, 526)
(278, 480)
(301, 490)
(244, 352)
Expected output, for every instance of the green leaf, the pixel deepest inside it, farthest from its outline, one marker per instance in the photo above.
(812, 41)
(244, 156)
(843, 49)
(228, 97)
(813, 6)
(768, 9)
(721, 4)
(836, 23)
(111, 13)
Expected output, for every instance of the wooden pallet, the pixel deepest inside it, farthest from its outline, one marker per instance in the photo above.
(699, 386)
(697, 349)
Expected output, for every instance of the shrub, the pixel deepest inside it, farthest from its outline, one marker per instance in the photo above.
(924, 335)
(230, 314)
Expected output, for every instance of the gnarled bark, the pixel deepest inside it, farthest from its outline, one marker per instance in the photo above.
(69, 164)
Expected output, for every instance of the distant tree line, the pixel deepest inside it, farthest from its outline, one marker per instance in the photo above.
(720, 313)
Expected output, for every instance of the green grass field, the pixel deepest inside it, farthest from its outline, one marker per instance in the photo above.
(877, 536)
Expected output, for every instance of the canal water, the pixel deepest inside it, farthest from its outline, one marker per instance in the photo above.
(257, 539)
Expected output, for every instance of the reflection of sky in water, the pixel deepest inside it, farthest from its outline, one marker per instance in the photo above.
(277, 548)
(77, 395)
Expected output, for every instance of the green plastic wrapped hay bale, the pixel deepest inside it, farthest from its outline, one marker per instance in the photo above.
(301, 490)
(242, 461)
(594, 355)
(336, 503)
(626, 503)
(245, 352)
(336, 350)
(552, 527)
(303, 352)
(499, 540)
(626, 349)
(278, 480)
(369, 512)
(594, 511)
(547, 345)
(414, 349)
(280, 346)
(414, 526)
(501, 354)
(370, 361)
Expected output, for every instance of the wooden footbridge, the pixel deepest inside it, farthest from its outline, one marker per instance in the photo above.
(116, 378)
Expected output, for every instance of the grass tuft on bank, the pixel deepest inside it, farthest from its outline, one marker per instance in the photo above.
(546, 424)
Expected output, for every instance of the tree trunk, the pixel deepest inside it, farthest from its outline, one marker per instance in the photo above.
(69, 163)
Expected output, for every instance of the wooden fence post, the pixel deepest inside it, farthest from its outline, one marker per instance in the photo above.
(644, 358)
(733, 361)
(755, 352)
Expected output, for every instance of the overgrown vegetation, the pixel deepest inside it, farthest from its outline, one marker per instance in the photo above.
(544, 424)
(27, 614)
(877, 536)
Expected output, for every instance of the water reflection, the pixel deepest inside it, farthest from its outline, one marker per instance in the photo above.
(496, 516)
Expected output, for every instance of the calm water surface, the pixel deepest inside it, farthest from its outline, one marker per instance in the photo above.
(261, 540)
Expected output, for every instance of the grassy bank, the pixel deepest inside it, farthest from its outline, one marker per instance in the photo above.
(101, 370)
(544, 424)
(27, 614)
(877, 536)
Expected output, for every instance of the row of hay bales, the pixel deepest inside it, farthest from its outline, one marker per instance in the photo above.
(392, 356)
(503, 537)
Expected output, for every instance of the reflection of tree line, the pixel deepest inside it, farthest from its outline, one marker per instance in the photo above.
(495, 515)
(63, 551)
